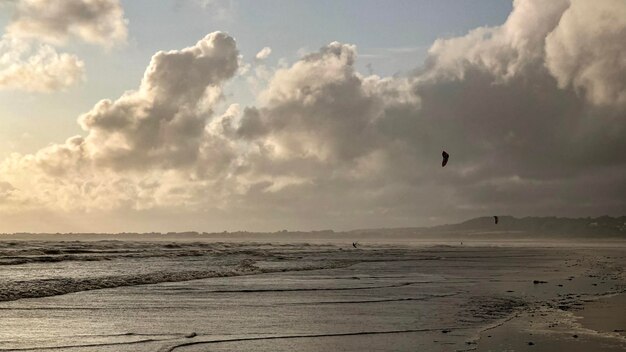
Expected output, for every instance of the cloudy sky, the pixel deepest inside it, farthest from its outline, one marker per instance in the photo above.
(211, 115)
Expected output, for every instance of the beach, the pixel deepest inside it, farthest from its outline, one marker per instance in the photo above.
(212, 295)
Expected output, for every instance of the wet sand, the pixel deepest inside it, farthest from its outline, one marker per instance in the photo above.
(589, 314)
(598, 326)
(142, 296)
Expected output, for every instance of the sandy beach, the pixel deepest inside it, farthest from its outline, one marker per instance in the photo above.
(218, 296)
(552, 330)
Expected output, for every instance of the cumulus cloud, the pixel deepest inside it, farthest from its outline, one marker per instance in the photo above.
(264, 53)
(146, 132)
(532, 127)
(579, 43)
(94, 21)
(586, 50)
(162, 122)
(321, 109)
(37, 67)
(29, 62)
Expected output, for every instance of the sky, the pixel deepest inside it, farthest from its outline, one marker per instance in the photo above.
(212, 115)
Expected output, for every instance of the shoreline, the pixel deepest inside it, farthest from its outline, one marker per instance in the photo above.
(440, 298)
(543, 329)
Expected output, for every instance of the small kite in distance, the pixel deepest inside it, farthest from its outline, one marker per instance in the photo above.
(354, 244)
(445, 158)
(495, 219)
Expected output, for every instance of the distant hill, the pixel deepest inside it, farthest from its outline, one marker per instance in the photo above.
(509, 226)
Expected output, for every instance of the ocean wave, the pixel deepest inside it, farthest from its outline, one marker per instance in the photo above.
(47, 252)
(14, 290)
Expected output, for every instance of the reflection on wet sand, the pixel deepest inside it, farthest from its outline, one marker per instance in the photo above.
(187, 296)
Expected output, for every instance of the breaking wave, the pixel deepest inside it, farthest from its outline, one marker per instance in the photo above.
(214, 260)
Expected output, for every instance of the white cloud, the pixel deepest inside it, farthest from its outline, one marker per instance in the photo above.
(264, 53)
(99, 22)
(581, 43)
(505, 50)
(29, 65)
(132, 143)
(162, 122)
(586, 50)
(327, 146)
(37, 67)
